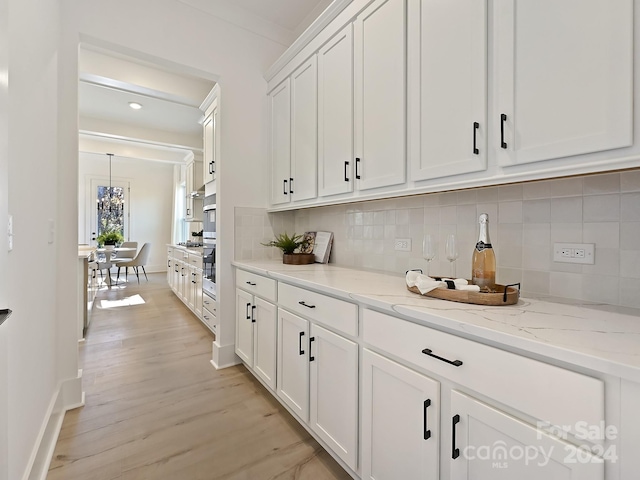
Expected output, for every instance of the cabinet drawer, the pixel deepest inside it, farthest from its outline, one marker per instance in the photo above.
(337, 314)
(210, 319)
(210, 304)
(257, 284)
(546, 392)
(195, 260)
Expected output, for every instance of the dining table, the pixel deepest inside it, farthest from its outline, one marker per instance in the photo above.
(112, 254)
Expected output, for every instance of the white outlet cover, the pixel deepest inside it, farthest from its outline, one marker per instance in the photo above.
(566, 253)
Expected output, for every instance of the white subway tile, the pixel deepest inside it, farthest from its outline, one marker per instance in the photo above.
(449, 198)
(630, 264)
(601, 208)
(488, 195)
(510, 212)
(536, 234)
(468, 197)
(607, 262)
(448, 215)
(599, 184)
(600, 289)
(629, 288)
(630, 235)
(510, 192)
(630, 181)
(536, 211)
(536, 257)
(566, 187)
(566, 285)
(630, 207)
(603, 234)
(535, 282)
(564, 210)
(541, 189)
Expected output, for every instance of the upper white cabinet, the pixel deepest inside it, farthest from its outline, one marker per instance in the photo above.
(280, 105)
(335, 114)
(210, 143)
(193, 204)
(380, 94)
(448, 87)
(563, 78)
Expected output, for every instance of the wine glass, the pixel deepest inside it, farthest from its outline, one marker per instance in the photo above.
(451, 251)
(429, 249)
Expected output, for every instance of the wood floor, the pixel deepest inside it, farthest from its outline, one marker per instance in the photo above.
(157, 409)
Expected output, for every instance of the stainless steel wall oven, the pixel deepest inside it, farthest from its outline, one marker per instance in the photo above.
(209, 239)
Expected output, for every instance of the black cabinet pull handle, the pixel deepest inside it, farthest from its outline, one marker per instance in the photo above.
(168, 263)
(306, 305)
(476, 126)
(311, 357)
(284, 187)
(427, 432)
(455, 452)
(211, 167)
(253, 310)
(300, 350)
(455, 363)
(503, 119)
(346, 165)
(248, 315)
(357, 169)
(188, 211)
(290, 185)
(251, 283)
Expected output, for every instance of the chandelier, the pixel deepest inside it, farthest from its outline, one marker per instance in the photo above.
(111, 199)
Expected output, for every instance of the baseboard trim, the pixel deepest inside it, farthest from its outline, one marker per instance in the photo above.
(223, 356)
(69, 395)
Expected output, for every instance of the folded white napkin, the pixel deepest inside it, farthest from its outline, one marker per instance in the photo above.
(425, 283)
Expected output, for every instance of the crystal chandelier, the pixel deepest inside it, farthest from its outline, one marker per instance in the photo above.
(110, 201)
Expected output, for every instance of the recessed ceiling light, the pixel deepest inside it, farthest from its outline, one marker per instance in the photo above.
(135, 105)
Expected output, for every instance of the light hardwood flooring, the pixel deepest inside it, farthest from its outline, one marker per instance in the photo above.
(156, 409)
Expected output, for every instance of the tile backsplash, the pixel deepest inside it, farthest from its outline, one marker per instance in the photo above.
(525, 220)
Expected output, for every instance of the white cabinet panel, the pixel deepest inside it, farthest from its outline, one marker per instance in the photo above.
(209, 146)
(244, 326)
(292, 377)
(334, 392)
(400, 421)
(304, 131)
(280, 103)
(335, 114)
(264, 349)
(563, 78)
(448, 95)
(380, 87)
(488, 444)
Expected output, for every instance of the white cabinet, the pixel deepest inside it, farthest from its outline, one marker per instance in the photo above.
(292, 363)
(294, 121)
(335, 114)
(256, 335)
(563, 78)
(280, 103)
(380, 94)
(210, 142)
(400, 421)
(448, 95)
(193, 205)
(333, 393)
(488, 444)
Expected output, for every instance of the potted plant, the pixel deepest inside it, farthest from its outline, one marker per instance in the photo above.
(291, 247)
(110, 238)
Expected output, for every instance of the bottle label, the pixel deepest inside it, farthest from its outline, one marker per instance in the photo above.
(480, 246)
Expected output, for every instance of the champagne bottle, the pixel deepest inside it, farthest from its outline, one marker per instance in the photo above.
(484, 259)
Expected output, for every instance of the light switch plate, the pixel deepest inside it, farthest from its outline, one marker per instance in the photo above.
(403, 244)
(574, 253)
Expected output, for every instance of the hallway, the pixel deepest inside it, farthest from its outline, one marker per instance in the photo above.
(156, 409)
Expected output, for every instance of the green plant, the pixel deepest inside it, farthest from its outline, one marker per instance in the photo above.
(110, 237)
(288, 244)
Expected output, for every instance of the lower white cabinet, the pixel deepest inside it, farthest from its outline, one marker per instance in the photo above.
(256, 335)
(318, 380)
(400, 421)
(488, 444)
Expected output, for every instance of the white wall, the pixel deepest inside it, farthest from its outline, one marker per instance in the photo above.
(150, 200)
(32, 342)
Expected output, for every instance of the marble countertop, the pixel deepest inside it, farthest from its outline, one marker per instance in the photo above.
(599, 337)
(86, 251)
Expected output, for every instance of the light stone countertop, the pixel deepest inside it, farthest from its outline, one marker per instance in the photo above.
(599, 337)
(196, 250)
(85, 251)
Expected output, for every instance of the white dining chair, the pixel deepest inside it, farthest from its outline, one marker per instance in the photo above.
(140, 260)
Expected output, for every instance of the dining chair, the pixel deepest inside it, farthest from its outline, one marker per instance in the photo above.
(125, 255)
(140, 260)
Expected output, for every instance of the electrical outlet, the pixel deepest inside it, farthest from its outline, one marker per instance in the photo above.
(574, 253)
(403, 244)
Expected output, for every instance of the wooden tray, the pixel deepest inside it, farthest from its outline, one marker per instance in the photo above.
(508, 297)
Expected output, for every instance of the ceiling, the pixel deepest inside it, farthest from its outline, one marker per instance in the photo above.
(168, 118)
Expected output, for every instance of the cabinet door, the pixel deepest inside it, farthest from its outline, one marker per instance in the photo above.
(448, 87)
(264, 349)
(209, 143)
(490, 445)
(292, 377)
(244, 326)
(563, 78)
(280, 102)
(191, 287)
(334, 392)
(380, 94)
(400, 421)
(170, 271)
(304, 131)
(197, 300)
(335, 114)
